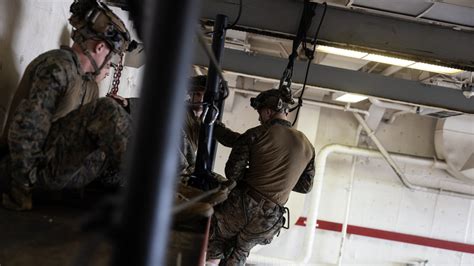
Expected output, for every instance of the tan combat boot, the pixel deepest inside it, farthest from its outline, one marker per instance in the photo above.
(19, 197)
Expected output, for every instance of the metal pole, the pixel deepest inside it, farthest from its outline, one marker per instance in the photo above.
(207, 144)
(218, 48)
(152, 164)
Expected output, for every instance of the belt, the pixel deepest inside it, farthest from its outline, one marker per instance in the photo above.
(257, 196)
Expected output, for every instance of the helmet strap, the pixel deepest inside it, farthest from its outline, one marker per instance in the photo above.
(97, 69)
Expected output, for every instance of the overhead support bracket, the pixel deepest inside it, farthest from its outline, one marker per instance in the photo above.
(399, 90)
(419, 41)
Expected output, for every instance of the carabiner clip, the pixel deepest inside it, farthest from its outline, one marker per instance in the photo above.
(206, 110)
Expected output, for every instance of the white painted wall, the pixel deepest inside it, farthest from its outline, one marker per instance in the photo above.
(27, 28)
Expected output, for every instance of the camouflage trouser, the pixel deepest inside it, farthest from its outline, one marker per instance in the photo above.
(187, 158)
(239, 224)
(86, 144)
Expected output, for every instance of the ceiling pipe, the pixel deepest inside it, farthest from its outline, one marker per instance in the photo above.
(396, 115)
(384, 152)
(396, 106)
(403, 109)
(349, 200)
(401, 175)
(453, 172)
(391, 70)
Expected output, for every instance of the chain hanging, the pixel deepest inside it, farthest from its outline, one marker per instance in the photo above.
(116, 79)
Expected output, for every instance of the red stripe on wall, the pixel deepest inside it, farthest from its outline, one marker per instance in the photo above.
(393, 236)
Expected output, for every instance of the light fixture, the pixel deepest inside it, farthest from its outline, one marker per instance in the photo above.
(387, 60)
(435, 68)
(339, 51)
(348, 97)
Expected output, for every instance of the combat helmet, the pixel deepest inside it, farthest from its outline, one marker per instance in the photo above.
(197, 86)
(94, 20)
(273, 99)
(198, 83)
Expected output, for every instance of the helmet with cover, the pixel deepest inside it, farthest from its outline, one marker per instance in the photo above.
(196, 91)
(94, 20)
(198, 83)
(272, 99)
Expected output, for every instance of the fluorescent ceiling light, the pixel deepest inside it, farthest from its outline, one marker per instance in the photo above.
(339, 51)
(435, 68)
(388, 60)
(350, 98)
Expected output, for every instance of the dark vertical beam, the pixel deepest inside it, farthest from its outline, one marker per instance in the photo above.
(207, 145)
(153, 162)
(218, 49)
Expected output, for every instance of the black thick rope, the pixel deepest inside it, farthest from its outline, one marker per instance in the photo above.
(310, 55)
(238, 17)
(305, 23)
(230, 26)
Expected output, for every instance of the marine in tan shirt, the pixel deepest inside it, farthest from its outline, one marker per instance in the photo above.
(267, 162)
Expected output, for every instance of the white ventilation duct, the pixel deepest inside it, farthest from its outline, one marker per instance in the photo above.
(454, 143)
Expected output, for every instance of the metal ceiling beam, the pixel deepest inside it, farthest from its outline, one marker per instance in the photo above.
(400, 90)
(462, 3)
(399, 37)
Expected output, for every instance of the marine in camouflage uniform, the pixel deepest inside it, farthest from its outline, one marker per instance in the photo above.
(188, 152)
(267, 162)
(190, 131)
(59, 133)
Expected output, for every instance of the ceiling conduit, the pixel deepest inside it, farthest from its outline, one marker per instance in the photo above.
(400, 174)
(396, 106)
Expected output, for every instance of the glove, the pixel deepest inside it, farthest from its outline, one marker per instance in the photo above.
(120, 100)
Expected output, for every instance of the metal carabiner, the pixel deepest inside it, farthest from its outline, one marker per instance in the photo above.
(206, 110)
(214, 119)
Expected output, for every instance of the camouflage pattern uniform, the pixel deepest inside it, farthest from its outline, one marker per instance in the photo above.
(191, 127)
(187, 152)
(253, 213)
(59, 134)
